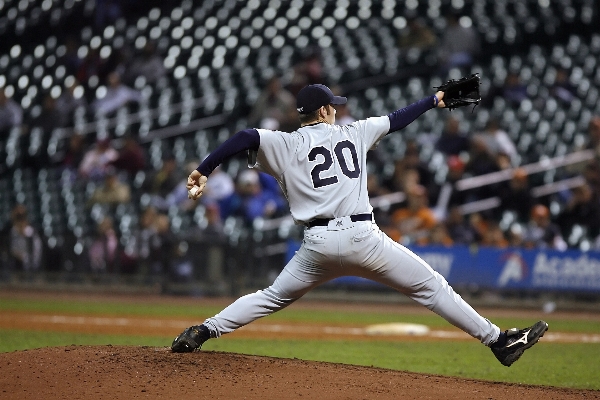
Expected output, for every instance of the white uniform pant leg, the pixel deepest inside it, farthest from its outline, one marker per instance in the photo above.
(396, 266)
(302, 273)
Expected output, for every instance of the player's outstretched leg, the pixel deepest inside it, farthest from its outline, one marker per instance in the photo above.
(514, 342)
(190, 339)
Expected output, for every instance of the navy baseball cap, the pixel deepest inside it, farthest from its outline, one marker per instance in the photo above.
(313, 97)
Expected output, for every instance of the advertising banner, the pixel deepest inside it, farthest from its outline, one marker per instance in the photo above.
(509, 268)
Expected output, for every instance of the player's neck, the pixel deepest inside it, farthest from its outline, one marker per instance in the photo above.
(314, 123)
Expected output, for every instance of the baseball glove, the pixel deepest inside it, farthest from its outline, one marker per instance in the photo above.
(461, 92)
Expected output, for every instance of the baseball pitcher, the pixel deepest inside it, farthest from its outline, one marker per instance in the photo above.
(322, 170)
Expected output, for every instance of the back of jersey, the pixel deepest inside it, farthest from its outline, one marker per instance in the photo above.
(322, 168)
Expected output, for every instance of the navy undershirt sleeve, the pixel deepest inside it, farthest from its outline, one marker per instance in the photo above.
(248, 139)
(404, 116)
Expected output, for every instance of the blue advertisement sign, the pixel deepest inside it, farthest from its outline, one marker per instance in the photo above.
(536, 269)
(510, 268)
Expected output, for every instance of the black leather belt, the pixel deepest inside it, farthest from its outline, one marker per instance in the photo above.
(353, 218)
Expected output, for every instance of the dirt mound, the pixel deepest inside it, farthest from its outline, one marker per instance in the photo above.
(130, 372)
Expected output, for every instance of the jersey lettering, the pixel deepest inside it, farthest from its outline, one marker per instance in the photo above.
(321, 167)
(327, 162)
(339, 153)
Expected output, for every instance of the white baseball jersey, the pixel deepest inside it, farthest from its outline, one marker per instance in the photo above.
(319, 166)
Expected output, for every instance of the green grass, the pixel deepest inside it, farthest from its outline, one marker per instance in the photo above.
(563, 365)
(92, 307)
(554, 364)
(14, 339)
(201, 311)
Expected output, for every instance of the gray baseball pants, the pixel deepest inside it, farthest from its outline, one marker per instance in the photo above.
(359, 249)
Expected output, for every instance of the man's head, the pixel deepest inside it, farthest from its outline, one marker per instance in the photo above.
(314, 104)
(102, 145)
(248, 183)
(169, 163)
(540, 215)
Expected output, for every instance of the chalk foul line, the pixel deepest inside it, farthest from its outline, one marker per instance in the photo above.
(278, 328)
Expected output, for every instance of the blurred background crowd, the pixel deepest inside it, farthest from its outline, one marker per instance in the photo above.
(106, 106)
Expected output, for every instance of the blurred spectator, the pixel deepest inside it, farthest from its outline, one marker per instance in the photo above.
(582, 209)
(493, 236)
(49, 118)
(503, 161)
(131, 156)
(479, 225)
(456, 171)
(374, 186)
(25, 243)
(375, 189)
(269, 184)
(563, 89)
(68, 102)
(343, 115)
(307, 72)
(414, 221)
(117, 96)
(459, 45)
(416, 35)
(74, 154)
(96, 160)
(11, 114)
(275, 108)
(459, 230)
(481, 160)
(591, 173)
(181, 264)
(112, 191)
(179, 195)
(439, 236)
(516, 196)
(148, 64)
(250, 201)
(541, 232)
(150, 249)
(411, 161)
(452, 141)
(514, 91)
(402, 178)
(497, 140)
(593, 141)
(103, 252)
(166, 179)
(515, 236)
(219, 187)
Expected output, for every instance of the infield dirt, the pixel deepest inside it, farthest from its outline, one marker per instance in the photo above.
(133, 372)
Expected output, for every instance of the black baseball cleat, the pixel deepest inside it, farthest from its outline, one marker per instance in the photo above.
(517, 341)
(190, 339)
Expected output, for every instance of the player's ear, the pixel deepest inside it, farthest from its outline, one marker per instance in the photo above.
(323, 111)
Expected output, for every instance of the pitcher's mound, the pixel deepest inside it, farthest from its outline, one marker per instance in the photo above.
(128, 372)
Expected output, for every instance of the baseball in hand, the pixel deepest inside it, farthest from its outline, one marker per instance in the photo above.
(194, 192)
